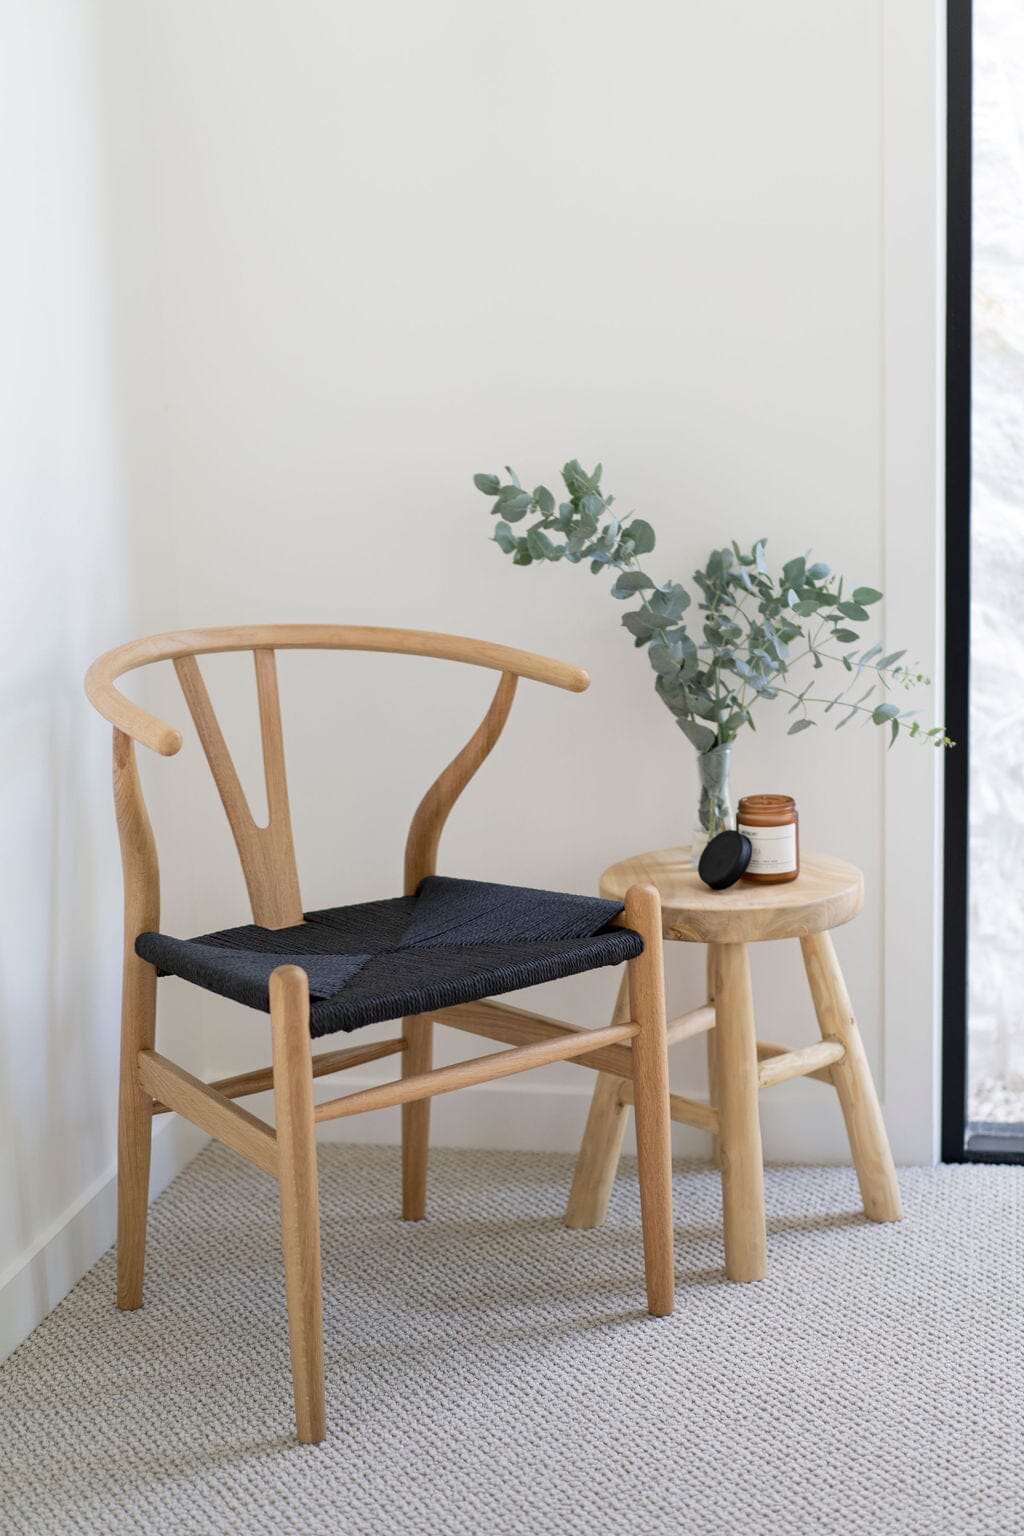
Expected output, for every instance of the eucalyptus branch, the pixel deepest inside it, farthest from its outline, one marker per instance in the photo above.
(750, 617)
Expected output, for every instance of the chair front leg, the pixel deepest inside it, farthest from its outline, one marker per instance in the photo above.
(134, 1129)
(300, 1208)
(416, 1058)
(651, 1098)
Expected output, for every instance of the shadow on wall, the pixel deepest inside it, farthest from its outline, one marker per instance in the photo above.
(71, 419)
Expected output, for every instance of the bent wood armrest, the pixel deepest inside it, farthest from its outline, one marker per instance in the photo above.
(165, 739)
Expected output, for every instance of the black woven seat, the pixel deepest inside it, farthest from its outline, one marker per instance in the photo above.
(455, 941)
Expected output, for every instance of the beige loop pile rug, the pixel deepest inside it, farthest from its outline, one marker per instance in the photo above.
(491, 1372)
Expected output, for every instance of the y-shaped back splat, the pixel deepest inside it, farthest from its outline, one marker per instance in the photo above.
(432, 811)
(267, 853)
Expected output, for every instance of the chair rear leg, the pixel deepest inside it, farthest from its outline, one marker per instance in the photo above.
(300, 1208)
(417, 1057)
(651, 1098)
(134, 1129)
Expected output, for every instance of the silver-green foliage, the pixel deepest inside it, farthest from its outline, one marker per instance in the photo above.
(756, 626)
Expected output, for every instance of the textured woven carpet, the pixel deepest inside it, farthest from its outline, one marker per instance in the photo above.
(490, 1372)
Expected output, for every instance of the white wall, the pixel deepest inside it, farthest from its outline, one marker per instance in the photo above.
(71, 432)
(379, 248)
(403, 243)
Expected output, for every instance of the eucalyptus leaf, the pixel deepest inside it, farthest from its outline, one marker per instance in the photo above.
(853, 611)
(631, 582)
(642, 535)
(700, 736)
(755, 626)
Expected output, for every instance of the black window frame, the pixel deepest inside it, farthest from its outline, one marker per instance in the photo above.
(962, 1141)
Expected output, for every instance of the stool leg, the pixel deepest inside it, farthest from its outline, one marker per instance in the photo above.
(869, 1144)
(739, 1126)
(601, 1146)
(712, 1047)
(651, 1098)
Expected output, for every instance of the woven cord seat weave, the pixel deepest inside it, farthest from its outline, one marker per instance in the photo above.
(454, 941)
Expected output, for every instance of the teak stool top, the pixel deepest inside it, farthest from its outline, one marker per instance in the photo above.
(827, 893)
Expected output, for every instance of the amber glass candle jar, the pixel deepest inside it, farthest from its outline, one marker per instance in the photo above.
(772, 824)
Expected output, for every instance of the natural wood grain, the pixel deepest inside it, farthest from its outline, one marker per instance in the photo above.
(300, 1206)
(798, 1063)
(827, 893)
(739, 1129)
(480, 1069)
(712, 1054)
(767, 1049)
(594, 1176)
(262, 1078)
(150, 1082)
(650, 1098)
(417, 1060)
(685, 1111)
(138, 1022)
(869, 1144)
(198, 1102)
(433, 810)
(165, 739)
(515, 1026)
(697, 1022)
(267, 853)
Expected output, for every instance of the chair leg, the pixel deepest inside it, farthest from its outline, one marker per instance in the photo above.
(869, 1144)
(601, 1146)
(712, 1048)
(742, 1160)
(651, 1098)
(417, 1057)
(134, 1130)
(300, 1209)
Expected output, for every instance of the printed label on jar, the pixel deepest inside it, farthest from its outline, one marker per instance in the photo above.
(773, 849)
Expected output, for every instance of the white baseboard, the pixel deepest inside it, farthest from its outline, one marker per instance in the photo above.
(41, 1278)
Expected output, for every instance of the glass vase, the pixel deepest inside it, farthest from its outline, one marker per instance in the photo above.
(714, 812)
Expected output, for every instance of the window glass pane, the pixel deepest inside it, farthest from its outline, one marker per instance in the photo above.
(996, 923)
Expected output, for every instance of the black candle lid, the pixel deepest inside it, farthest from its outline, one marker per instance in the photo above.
(724, 859)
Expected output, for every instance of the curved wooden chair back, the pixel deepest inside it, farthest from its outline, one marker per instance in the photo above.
(267, 853)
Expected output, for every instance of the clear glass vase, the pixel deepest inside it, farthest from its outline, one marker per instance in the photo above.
(714, 812)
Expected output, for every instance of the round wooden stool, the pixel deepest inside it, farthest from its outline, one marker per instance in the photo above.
(827, 893)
